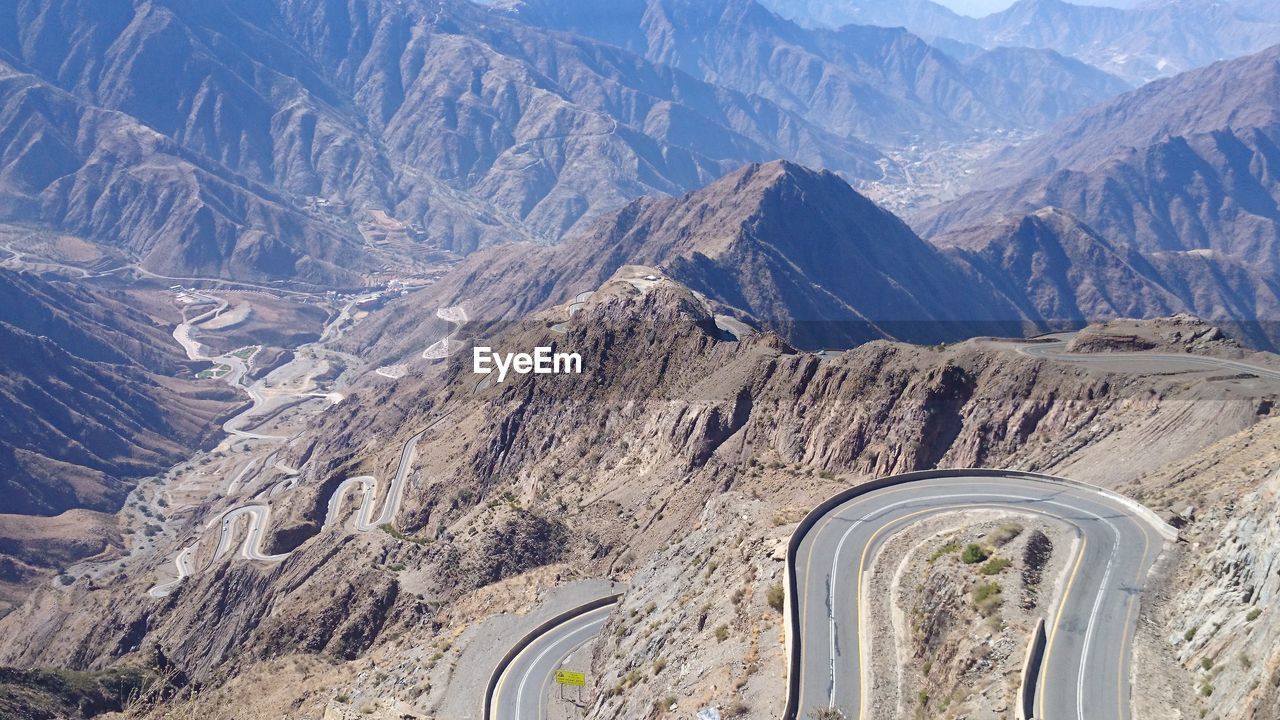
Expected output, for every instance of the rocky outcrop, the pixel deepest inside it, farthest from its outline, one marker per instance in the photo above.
(1180, 333)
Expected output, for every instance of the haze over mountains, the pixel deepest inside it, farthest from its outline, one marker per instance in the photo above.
(1181, 171)
(337, 199)
(881, 84)
(1141, 43)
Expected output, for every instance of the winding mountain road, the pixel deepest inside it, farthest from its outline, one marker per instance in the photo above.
(259, 516)
(522, 684)
(1085, 672)
(1053, 347)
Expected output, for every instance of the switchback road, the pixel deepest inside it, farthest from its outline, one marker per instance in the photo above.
(1085, 672)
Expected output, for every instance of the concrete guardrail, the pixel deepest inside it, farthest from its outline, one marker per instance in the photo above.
(529, 639)
(1031, 673)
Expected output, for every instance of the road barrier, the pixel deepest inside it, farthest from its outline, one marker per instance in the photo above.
(529, 639)
(1031, 673)
(791, 616)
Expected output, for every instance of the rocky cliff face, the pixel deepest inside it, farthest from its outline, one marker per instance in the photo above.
(674, 441)
(1214, 619)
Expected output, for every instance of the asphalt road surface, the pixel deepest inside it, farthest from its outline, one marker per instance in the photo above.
(259, 517)
(1055, 349)
(1085, 673)
(526, 687)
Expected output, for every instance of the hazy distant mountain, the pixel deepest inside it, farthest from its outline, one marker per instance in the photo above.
(1140, 43)
(446, 117)
(880, 84)
(84, 402)
(1054, 267)
(785, 248)
(87, 171)
(1181, 165)
(800, 253)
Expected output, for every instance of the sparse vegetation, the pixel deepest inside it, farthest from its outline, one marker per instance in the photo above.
(973, 553)
(1189, 635)
(1254, 614)
(722, 633)
(391, 530)
(735, 709)
(1206, 663)
(994, 566)
(987, 598)
(947, 549)
(827, 714)
(1003, 534)
(776, 596)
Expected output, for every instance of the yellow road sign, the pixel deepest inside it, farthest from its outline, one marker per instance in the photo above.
(569, 677)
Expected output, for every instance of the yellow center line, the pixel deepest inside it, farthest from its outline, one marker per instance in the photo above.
(1057, 622)
(822, 525)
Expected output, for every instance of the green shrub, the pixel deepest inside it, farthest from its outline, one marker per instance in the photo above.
(986, 597)
(994, 566)
(776, 596)
(947, 549)
(973, 553)
(1254, 614)
(1189, 635)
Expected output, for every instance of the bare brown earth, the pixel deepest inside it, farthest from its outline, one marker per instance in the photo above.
(1180, 333)
(677, 463)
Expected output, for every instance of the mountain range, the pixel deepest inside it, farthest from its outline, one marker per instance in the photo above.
(884, 85)
(252, 140)
(89, 398)
(1181, 170)
(278, 141)
(1140, 43)
(801, 254)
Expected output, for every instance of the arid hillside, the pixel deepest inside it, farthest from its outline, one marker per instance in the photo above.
(676, 464)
